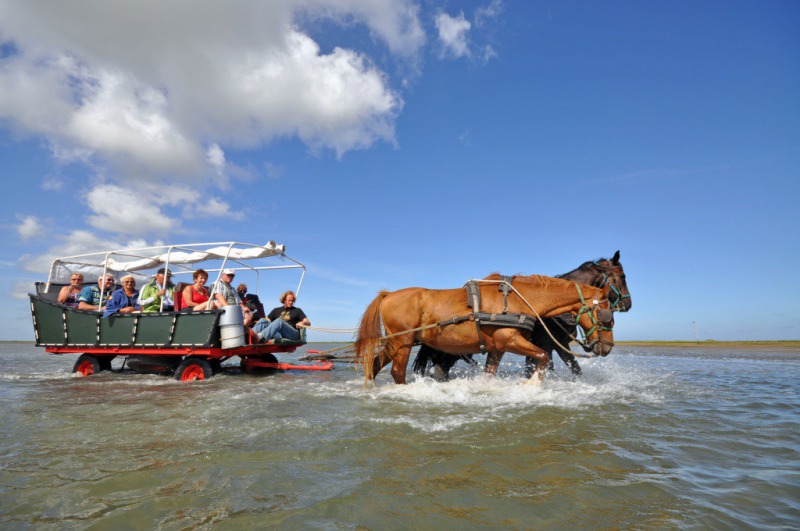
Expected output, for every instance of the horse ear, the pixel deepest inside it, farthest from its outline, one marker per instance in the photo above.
(615, 260)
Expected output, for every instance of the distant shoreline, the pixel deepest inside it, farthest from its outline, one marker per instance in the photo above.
(711, 344)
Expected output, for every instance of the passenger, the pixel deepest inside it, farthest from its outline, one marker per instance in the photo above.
(225, 295)
(68, 296)
(89, 299)
(151, 295)
(196, 296)
(251, 301)
(124, 299)
(283, 321)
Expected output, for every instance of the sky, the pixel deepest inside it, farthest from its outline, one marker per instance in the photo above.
(397, 143)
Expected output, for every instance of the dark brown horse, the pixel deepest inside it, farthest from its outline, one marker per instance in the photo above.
(601, 273)
(411, 316)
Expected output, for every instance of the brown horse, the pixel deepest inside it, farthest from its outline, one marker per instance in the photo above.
(406, 315)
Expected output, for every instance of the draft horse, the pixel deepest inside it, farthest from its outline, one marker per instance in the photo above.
(441, 319)
(600, 273)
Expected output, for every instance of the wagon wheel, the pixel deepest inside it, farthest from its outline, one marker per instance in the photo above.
(269, 358)
(105, 362)
(216, 365)
(193, 368)
(87, 365)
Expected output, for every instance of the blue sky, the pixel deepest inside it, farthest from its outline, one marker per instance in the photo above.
(390, 144)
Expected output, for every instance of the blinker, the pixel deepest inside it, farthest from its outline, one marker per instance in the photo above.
(605, 316)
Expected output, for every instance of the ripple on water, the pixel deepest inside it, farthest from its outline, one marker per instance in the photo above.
(643, 439)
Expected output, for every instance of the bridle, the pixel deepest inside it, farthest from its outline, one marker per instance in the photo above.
(616, 303)
(602, 320)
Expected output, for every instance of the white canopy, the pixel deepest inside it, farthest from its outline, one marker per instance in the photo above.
(130, 261)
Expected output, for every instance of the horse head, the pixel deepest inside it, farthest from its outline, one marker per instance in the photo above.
(597, 320)
(613, 280)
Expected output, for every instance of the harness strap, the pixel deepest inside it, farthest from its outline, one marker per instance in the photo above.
(474, 302)
(473, 295)
(508, 320)
(505, 287)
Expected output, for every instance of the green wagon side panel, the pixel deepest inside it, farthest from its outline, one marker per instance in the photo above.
(150, 330)
(195, 329)
(49, 323)
(153, 330)
(117, 330)
(81, 328)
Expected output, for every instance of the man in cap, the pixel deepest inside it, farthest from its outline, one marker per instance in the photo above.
(224, 295)
(154, 291)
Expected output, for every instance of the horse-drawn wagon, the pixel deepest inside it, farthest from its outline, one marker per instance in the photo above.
(191, 345)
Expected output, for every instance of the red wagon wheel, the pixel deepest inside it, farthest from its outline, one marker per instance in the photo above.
(192, 369)
(86, 365)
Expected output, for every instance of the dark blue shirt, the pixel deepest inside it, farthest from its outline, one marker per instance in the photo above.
(119, 301)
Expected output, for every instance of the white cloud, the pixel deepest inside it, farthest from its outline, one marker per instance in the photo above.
(107, 79)
(454, 34)
(457, 35)
(29, 227)
(216, 158)
(150, 91)
(75, 242)
(125, 211)
(20, 289)
(52, 184)
(210, 208)
(483, 15)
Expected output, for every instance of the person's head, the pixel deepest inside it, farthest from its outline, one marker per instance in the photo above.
(128, 282)
(288, 298)
(227, 275)
(76, 279)
(106, 282)
(242, 289)
(160, 275)
(200, 274)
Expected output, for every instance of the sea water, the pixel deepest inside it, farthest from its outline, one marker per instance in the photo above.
(647, 437)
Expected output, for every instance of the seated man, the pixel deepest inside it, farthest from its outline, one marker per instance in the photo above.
(152, 293)
(224, 295)
(89, 299)
(251, 300)
(68, 296)
(124, 299)
(282, 322)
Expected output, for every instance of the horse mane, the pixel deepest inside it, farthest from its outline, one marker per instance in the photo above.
(540, 280)
(584, 267)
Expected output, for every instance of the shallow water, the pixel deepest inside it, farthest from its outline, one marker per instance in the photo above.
(646, 438)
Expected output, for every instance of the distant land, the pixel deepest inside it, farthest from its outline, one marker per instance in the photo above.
(788, 344)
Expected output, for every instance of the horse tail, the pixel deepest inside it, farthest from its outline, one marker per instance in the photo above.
(369, 339)
(423, 361)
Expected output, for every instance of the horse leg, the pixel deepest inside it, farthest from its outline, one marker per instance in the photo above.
(519, 345)
(492, 362)
(571, 362)
(530, 365)
(442, 363)
(401, 353)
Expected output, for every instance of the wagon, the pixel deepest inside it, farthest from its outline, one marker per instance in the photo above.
(192, 346)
